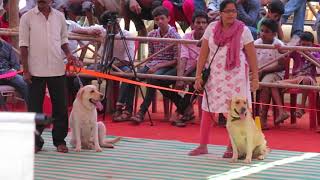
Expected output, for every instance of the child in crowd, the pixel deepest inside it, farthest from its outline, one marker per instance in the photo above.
(271, 73)
(304, 72)
(213, 9)
(187, 67)
(275, 11)
(162, 64)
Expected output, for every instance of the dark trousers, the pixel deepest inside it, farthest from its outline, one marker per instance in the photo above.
(150, 92)
(181, 103)
(58, 94)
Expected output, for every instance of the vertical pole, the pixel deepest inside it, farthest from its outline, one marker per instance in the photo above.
(14, 19)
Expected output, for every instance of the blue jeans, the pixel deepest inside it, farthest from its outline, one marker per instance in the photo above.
(19, 84)
(298, 8)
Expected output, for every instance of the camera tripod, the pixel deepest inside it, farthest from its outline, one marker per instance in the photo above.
(108, 59)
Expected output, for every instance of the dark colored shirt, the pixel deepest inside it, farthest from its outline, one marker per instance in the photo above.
(303, 67)
(8, 58)
(248, 12)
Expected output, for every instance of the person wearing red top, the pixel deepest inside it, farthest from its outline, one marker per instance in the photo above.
(4, 23)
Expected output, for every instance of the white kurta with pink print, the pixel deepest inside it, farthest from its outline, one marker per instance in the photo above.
(222, 85)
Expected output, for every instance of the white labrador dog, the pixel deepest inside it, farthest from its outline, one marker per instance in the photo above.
(87, 133)
(246, 139)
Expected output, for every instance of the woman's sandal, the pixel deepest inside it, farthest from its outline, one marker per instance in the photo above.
(125, 116)
(299, 113)
(138, 118)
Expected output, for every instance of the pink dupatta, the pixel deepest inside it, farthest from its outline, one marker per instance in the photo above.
(232, 37)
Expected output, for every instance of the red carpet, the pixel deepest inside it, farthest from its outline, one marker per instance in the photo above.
(296, 137)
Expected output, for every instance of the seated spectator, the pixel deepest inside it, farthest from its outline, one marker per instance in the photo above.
(75, 9)
(100, 6)
(32, 3)
(9, 65)
(304, 72)
(182, 10)
(213, 9)
(124, 105)
(162, 64)
(298, 9)
(186, 67)
(2, 10)
(275, 11)
(4, 20)
(316, 26)
(272, 73)
(137, 11)
(248, 12)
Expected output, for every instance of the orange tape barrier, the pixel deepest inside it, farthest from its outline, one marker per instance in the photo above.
(115, 78)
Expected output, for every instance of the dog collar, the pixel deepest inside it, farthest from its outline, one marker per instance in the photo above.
(235, 118)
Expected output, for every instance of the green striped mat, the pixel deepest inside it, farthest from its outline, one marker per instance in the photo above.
(158, 159)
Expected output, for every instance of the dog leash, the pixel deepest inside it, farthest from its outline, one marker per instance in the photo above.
(205, 76)
(74, 71)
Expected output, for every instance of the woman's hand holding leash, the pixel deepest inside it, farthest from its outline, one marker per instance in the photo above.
(198, 84)
(254, 85)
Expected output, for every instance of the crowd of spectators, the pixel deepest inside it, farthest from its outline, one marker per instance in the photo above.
(264, 19)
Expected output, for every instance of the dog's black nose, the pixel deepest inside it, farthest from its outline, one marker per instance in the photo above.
(243, 110)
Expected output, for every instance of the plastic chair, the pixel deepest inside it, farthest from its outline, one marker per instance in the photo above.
(6, 91)
(313, 97)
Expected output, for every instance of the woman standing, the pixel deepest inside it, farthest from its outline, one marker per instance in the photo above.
(230, 44)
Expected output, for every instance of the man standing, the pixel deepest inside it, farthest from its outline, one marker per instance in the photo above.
(42, 35)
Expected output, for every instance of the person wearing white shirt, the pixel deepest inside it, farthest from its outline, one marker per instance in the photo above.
(42, 35)
(272, 73)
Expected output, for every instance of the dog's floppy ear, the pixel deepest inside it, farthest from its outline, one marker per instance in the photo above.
(80, 92)
(229, 101)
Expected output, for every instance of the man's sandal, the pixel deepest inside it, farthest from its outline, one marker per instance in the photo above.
(138, 118)
(125, 116)
(299, 113)
(282, 117)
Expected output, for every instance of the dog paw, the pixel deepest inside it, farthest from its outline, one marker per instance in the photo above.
(248, 161)
(77, 149)
(98, 149)
(233, 160)
(261, 157)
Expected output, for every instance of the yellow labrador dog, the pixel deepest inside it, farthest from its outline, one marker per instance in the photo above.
(87, 133)
(246, 139)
